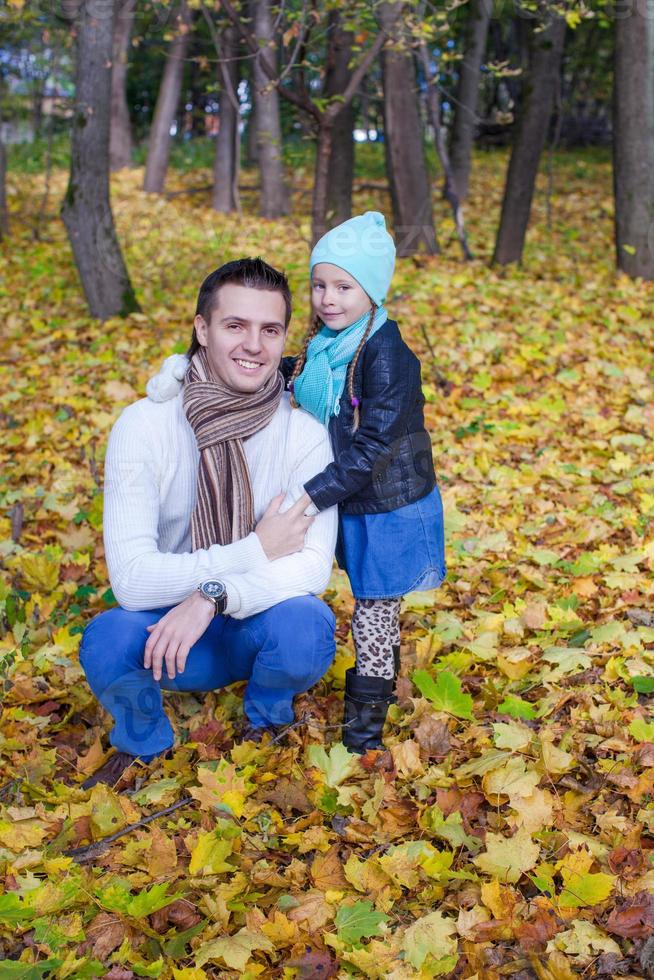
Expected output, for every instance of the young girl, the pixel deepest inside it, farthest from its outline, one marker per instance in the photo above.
(356, 375)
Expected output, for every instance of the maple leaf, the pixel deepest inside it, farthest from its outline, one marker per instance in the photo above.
(327, 870)
(511, 736)
(633, 919)
(28, 971)
(107, 815)
(160, 791)
(507, 858)
(358, 921)
(433, 737)
(582, 888)
(309, 966)
(536, 933)
(470, 918)
(555, 760)
(180, 914)
(336, 766)
(585, 889)
(584, 939)
(448, 828)
(311, 908)
(208, 855)
(517, 708)
(445, 693)
(566, 661)
(644, 685)
(289, 795)
(106, 932)
(433, 936)
(116, 897)
(223, 786)
(234, 951)
(512, 779)
(642, 731)
(406, 757)
(40, 572)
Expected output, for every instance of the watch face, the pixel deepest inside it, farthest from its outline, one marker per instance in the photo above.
(215, 590)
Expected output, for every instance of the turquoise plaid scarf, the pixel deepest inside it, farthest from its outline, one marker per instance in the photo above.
(318, 388)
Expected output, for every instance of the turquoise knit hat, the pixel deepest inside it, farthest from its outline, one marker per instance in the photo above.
(362, 247)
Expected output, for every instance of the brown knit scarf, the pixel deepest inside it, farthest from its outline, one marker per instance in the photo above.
(221, 418)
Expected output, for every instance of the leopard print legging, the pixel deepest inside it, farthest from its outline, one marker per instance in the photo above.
(375, 630)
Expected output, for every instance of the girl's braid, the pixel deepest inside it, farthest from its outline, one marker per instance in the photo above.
(352, 368)
(301, 359)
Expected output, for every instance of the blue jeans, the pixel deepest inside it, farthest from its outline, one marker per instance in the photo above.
(280, 652)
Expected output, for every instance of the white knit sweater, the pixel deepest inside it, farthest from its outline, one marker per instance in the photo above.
(150, 488)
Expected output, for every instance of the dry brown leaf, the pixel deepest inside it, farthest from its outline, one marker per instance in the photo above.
(106, 932)
(288, 795)
(433, 737)
(633, 919)
(327, 870)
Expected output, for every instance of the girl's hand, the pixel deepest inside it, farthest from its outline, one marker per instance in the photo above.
(283, 534)
(304, 501)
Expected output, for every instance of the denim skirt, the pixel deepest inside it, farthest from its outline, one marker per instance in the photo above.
(387, 555)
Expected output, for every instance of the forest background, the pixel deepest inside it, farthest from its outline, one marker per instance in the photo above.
(509, 827)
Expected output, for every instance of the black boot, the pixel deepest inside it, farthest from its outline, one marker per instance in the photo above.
(364, 710)
(397, 662)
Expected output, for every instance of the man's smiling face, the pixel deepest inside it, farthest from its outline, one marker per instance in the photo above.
(245, 337)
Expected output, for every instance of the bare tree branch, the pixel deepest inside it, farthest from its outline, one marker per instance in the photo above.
(449, 187)
(359, 73)
(289, 94)
(233, 98)
(303, 100)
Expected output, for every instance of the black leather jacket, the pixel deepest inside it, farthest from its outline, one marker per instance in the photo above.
(387, 462)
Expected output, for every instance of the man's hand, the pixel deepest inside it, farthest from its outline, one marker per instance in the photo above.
(173, 636)
(283, 534)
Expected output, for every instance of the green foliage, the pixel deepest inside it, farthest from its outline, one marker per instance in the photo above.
(517, 708)
(31, 158)
(445, 693)
(644, 685)
(117, 897)
(358, 921)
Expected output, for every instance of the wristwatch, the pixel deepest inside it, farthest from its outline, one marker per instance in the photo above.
(215, 592)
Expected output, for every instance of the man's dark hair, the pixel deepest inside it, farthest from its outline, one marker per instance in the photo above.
(251, 273)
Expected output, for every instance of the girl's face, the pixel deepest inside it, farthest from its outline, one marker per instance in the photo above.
(336, 297)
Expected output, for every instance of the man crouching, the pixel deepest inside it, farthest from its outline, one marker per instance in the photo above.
(216, 570)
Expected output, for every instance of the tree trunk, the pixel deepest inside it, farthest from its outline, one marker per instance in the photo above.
(227, 160)
(195, 96)
(341, 161)
(633, 140)
(433, 100)
(37, 106)
(86, 209)
(167, 103)
(120, 143)
(324, 119)
(364, 107)
(274, 194)
(251, 148)
(531, 132)
(321, 178)
(4, 213)
(405, 155)
(467, 97)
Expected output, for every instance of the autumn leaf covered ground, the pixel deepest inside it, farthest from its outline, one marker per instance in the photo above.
(509, 829)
